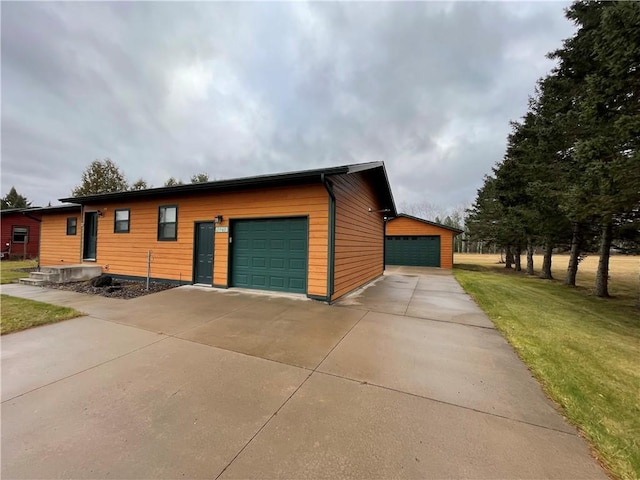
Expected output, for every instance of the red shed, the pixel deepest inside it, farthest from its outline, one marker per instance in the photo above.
(20, 233)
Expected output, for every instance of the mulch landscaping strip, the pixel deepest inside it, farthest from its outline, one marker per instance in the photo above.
(125, 289)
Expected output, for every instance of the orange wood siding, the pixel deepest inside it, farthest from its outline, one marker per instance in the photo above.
(126, 253)
(407, 226)
(359, 243)
(56, 247)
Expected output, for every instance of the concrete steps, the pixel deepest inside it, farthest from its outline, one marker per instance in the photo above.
(50, 277)
(64, 274)
(35, 282)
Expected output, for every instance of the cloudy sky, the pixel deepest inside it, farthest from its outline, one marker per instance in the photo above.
(240, 89)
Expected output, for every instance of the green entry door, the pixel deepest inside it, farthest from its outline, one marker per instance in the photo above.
(423, 251)
(203, 259)
(270, 254)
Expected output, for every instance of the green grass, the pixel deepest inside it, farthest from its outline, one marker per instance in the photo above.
(584, 350)
(8, 267)
(20, 314)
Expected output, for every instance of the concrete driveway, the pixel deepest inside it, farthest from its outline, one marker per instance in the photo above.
(406, 379)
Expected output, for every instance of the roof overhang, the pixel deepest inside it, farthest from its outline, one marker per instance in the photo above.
(375, 169)
(23, 211)
(73, 207)
(428, 222)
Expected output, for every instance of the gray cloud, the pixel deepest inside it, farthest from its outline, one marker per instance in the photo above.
(171, 89)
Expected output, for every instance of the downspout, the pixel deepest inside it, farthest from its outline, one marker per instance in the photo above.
(385, 220)
(39, 220)
(81, 233)
(332, 237)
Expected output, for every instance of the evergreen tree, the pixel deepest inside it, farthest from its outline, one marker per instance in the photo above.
(14, 200)
(603, 60)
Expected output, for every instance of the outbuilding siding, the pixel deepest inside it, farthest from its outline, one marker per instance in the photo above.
(18, 219)
(359, 245)
(409, 227)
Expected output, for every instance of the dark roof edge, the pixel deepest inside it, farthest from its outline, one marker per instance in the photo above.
(269, 179)
(394, 211)
(58, 208)
(18, 210)
(428, 222)
(303, 175)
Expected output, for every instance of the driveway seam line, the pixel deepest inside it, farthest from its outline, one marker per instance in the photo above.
(242, 353)
(88, 368)
(430, 319)
(449, 321)
(263, 426)
(364, 382)
(340, 341)
(311, 372)
(410, 298)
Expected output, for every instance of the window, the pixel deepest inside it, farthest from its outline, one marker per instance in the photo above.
(168, 222)
(19, 234)
(121, 222)
(72, 225)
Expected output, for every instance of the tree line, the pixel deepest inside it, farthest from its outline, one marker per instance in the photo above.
(570, 177)
(104, 176)
(449, 216)
(101, 176)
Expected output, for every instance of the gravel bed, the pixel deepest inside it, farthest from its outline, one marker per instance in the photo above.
(119, 289)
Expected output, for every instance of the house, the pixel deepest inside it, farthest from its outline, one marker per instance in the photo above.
(418, 242)
(316, 232)
(20, 237)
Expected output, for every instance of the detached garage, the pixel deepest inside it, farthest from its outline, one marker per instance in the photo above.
(417, 242)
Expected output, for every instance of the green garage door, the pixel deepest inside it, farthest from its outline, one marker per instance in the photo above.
(270, 254)
(415, 251)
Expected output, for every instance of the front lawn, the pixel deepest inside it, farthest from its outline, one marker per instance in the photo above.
(11, 270)
(584, 350)
(20, 314)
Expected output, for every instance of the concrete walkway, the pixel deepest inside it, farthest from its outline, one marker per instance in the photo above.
(406, 378)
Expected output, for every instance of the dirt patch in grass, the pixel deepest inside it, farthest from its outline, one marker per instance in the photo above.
(21, 313)
(119, 289)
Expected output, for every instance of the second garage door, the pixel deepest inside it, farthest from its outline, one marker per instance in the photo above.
(270, 254)
(419, 251)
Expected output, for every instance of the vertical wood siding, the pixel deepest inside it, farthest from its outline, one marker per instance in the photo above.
(126, 253)
(17, 219)
(359, 245)
(409, 227)
(56, 247)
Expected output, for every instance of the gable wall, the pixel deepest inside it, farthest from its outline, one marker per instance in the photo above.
(410, 227)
